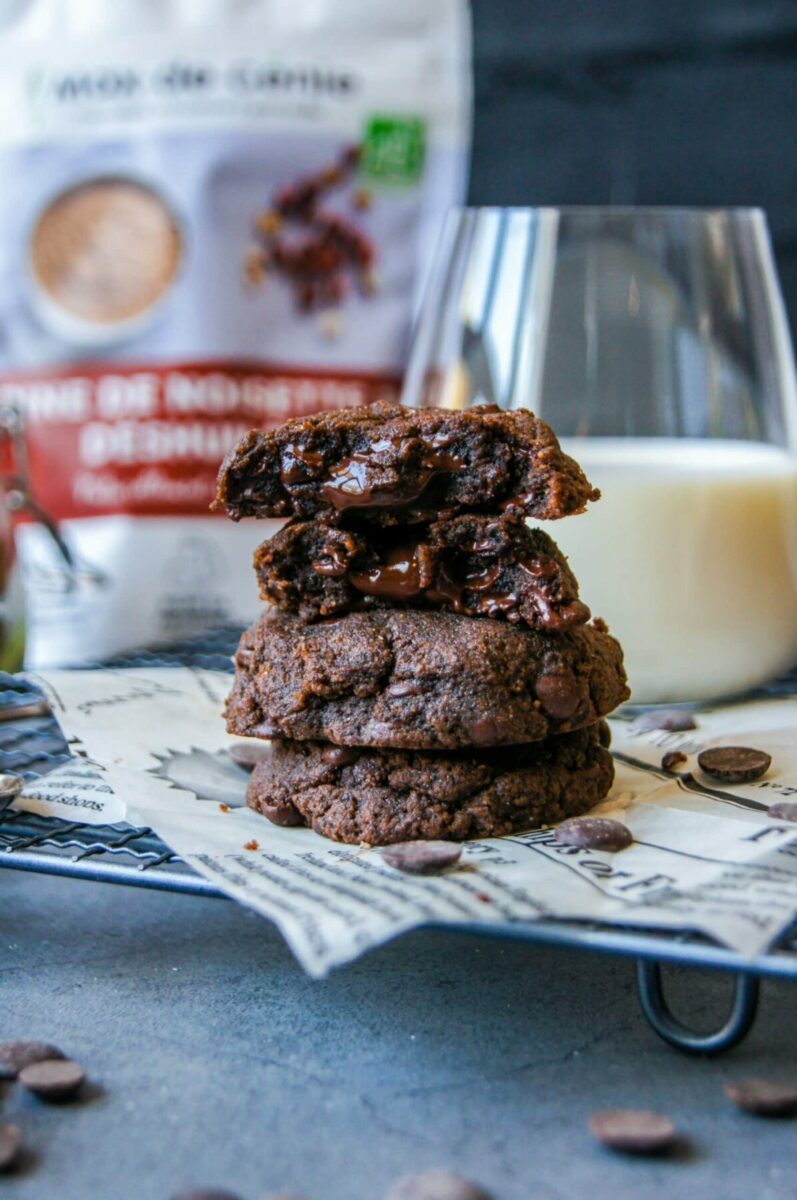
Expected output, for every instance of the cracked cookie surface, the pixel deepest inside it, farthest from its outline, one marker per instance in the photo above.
(473, 565)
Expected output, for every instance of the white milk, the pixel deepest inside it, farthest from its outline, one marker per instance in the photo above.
(691, 557)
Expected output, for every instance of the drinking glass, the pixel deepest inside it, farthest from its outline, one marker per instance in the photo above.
(655, 343)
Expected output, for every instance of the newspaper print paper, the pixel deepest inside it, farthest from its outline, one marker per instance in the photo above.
(705, 857)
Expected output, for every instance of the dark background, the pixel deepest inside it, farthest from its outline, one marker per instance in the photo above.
(657, 102)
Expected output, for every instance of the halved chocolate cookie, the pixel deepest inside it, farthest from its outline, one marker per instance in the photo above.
(473, 565)
(393, 465)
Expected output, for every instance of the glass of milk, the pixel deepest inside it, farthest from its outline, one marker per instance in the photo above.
(655, 343)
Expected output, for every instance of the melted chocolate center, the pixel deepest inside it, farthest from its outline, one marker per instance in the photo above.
(457, 585)
(299, 466)
(358, 481)
(397, 577)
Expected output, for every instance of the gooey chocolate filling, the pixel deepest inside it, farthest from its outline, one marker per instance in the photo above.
(364, 480)
(466, 583)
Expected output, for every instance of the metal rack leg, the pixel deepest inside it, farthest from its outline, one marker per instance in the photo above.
(667, 1025)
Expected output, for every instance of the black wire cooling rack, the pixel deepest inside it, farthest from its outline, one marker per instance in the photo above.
(31, 745)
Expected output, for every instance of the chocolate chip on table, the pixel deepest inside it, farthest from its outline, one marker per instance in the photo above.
(436, 1185)
(248, 754)
(10, 1147)
(672, 759)
(206, 1194)
(633, 1131)
(14, 1056)
(673, 720)
(764, 1097)
(784, 810)
(594, 833)
(54, 1079)
(422, 858)
(734, 764)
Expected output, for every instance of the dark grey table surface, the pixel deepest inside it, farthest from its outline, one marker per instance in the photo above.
(214, 1060)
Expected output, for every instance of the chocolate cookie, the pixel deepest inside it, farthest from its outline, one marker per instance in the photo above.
(420, 680)
(384, 796)
(476, 566)
(391, 465)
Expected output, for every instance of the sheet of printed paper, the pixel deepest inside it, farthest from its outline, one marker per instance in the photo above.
(705, 857)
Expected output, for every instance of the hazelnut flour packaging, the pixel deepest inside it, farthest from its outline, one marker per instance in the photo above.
(214, 217)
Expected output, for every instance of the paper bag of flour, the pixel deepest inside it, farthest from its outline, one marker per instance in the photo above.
(213, 217)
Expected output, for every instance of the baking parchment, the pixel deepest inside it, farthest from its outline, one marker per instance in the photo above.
(151, 748)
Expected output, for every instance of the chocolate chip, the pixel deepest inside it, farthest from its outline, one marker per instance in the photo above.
(674, 720)
(422, 858)
(248, 754)
(284, 1196)
(784, 810)
(594, 833)
(339, 756)
(436, 1185)
(734, 764)
(764, 1097)
(484, 732)
(14, 1056)
(10, 1147)
(672, 759)
(283, 813)
(54, 1079)
(558, 694)
(633, 1131)
(206, 1194)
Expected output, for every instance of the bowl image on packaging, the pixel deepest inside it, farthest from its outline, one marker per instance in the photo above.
(102, 258)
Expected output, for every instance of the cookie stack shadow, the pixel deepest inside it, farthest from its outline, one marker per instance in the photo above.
(425, 667)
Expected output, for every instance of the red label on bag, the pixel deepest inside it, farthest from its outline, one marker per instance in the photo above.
(147, 440)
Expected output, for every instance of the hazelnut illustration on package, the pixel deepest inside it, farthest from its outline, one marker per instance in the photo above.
(212, 225)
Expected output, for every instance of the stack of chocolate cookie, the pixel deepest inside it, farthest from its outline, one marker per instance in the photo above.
(425, 666)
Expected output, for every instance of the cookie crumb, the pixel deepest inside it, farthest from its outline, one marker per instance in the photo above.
(672, 759)
(224, 808)
(253, 845)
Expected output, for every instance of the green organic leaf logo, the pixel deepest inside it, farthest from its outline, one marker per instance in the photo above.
(394, 149)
